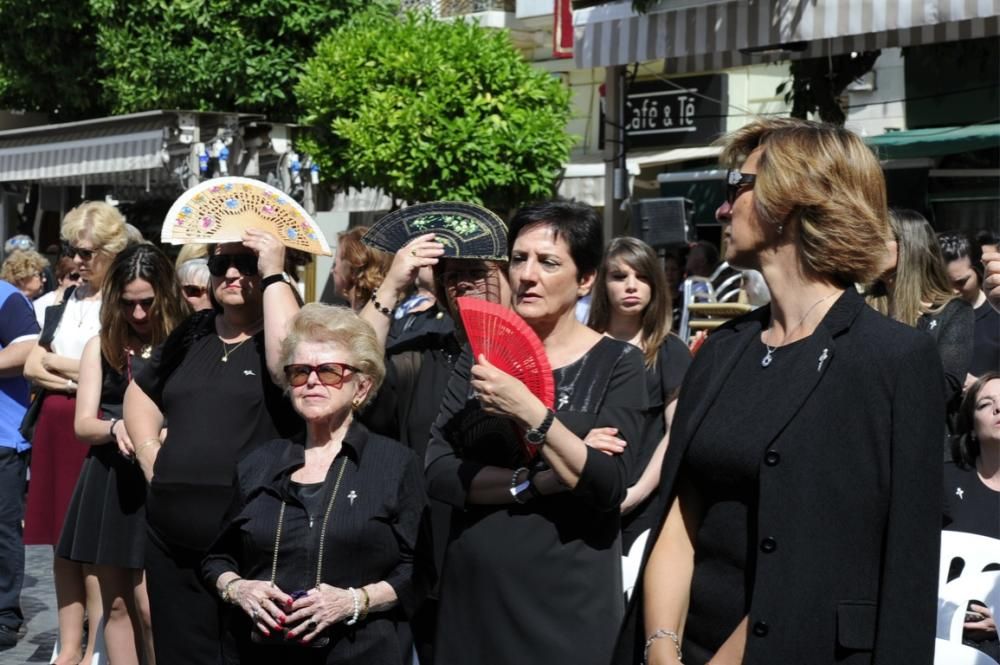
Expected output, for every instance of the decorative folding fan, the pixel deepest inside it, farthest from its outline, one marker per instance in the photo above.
(466, 230)
(220, 209)
(510, 345)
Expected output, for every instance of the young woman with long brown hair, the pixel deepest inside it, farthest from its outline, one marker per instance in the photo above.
(105, 523)
(631, 302)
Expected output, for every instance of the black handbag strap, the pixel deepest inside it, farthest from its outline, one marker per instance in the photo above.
(53, 315)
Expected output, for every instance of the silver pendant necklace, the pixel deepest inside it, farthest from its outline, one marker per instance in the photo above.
(769, 356)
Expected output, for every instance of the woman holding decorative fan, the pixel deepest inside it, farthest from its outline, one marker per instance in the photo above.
(532, 573)
(215, 379)
(631, 302)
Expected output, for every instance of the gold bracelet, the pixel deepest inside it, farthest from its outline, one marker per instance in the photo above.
(147, 442)
(364, 610)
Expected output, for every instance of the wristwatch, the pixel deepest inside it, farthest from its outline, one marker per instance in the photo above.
(274, 279)
(536, 435)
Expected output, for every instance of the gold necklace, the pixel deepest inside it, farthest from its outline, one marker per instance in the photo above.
(226, 351)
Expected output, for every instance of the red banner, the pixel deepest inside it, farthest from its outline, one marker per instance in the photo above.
(562, 29)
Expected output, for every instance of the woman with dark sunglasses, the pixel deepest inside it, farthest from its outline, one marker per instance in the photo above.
(214, 379)
(95, 232)
(803, 471)
(105, 525)
(319, 556)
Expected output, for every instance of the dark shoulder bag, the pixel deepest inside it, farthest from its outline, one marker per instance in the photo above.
(53, 315)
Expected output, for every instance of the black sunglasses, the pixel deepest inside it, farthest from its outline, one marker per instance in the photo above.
(329, 374)
(145, 303)
(72, 250)
(218, 264)
(736, 182)
(73, 276)
(193, 291)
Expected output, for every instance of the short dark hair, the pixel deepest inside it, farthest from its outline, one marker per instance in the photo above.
(955, 245)
(576, 223)
(964, 444)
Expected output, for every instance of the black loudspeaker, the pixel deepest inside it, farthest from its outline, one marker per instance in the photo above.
(662, 222)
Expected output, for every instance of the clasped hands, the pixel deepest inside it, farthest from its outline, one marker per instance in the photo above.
(300, 619)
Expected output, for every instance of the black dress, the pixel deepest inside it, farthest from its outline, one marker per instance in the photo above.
(663, 381)
(540, 582)
(106, 520)
(722, 466)
(218, 412)
(372, 534)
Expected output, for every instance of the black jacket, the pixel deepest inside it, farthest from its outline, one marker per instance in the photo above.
(849, 507)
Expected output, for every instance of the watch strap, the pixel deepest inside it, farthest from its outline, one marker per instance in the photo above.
(274, 279)
(536, 435)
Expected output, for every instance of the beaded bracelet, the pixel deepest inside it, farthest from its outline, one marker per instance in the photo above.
(357, 606)
(660, 632)
(378, 306)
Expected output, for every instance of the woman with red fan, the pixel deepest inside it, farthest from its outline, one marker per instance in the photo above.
(631, 302)
(532, 572)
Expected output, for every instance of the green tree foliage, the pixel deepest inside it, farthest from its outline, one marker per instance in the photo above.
(86, 58)
(431, 110)
(48, 59)
(210, 54)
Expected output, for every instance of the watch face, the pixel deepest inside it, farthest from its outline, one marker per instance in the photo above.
(534, 437)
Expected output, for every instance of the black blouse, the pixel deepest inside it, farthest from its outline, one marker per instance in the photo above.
(372, 535)
(218, 412)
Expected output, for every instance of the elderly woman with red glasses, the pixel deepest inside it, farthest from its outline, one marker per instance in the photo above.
(215, 380)
(319, 558)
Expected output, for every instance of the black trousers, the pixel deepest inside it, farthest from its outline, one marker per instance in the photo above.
(184, 613)
(13, 468)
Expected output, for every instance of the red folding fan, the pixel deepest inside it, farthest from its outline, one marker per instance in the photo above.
(510, 345)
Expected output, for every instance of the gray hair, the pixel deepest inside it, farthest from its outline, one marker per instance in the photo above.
(194, 271)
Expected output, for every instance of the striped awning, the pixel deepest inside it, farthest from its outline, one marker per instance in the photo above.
(51, 154)
(726, 33)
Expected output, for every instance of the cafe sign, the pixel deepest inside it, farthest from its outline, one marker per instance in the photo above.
(689, 111)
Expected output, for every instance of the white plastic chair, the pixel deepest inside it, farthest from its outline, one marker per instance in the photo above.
(632, 561)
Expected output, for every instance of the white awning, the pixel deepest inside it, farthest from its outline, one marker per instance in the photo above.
(719, 35)
(83, 152)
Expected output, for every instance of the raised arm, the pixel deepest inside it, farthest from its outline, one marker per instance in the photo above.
(420, 252)
(280, 299)
(991, 283)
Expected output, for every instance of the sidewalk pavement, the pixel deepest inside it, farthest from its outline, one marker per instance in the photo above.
(38, 602)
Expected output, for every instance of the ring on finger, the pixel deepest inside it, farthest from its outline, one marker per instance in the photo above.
(311, 626)
(254, 613)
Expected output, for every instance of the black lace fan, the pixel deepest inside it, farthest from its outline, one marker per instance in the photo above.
(466, 230)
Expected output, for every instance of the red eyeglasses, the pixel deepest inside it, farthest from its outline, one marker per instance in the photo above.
(329, 374)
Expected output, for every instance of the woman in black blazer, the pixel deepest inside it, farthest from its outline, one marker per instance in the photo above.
(803, 466)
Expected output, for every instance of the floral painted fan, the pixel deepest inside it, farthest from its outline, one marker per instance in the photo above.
(221, 209)
(510, 345)
(467, 231)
